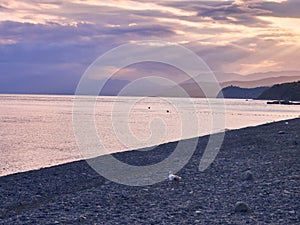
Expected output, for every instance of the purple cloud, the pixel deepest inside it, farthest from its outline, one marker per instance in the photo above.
(50, 48)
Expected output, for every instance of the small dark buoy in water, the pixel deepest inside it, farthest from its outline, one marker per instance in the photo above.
(148, 107)
(168, 111)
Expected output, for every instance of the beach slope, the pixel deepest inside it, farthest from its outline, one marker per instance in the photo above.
(259, 166)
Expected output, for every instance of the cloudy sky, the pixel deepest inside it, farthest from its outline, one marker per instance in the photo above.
(49, 44)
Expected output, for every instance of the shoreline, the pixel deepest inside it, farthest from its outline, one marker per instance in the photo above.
(74, 193)
(130, 150)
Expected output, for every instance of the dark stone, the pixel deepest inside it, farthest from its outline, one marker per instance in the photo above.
(241, 207)
(248, 176)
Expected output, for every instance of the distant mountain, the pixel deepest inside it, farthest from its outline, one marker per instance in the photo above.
(244, 93)
(225, 77)
(194, 90)
(263, 82)
(149, 87)
(236, 89)
(143, 87)
(68, 85)
(112, 87)
(286, 91)
(245, 83)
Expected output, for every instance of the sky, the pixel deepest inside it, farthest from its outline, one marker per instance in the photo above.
(48, 44)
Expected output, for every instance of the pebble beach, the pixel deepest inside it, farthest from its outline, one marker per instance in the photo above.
(255, 179)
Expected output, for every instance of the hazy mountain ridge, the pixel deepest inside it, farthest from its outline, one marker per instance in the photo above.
(233, 89)
(257, 81)
(226, 77)
(262, 82)
(286, 91)
(146, 87)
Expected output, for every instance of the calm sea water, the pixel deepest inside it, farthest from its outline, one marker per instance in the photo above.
(37, 130)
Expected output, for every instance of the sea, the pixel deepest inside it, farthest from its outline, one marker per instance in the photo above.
(38, 131)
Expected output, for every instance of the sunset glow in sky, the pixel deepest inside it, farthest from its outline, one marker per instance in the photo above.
(47, 40)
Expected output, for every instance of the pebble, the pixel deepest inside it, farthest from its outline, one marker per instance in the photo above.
(82, 217)
(241, 207)
(248, 176)
(292, 212)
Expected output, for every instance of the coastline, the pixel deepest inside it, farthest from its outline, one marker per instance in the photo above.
(43, 134)
(74, 193)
